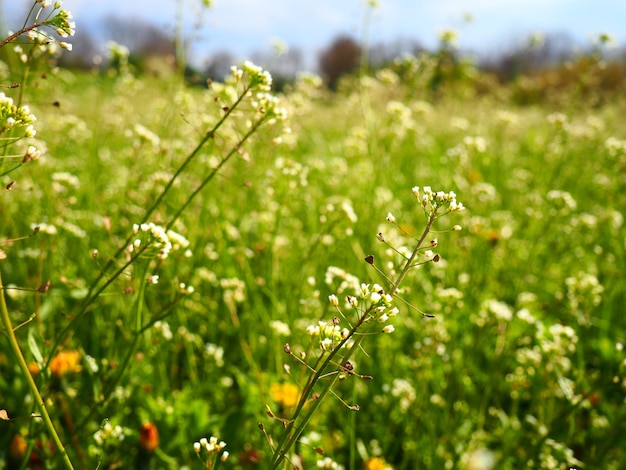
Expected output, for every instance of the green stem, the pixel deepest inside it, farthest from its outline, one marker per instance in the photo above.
(214, 172)
(89, 300)
(98, 405)
(6, 321)
(409, 263)
(352, 433)
(208, 136)
(292, 432)
(91, 295)
(139, 330)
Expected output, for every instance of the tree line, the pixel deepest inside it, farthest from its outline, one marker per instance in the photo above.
(554, 58)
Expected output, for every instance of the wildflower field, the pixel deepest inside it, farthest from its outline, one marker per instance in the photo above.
(390, 276)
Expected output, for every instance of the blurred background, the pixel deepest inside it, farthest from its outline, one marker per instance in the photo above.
(287, 37)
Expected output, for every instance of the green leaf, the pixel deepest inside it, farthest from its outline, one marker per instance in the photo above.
(34, 349)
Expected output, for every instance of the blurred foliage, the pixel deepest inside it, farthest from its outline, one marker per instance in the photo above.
(523, 360)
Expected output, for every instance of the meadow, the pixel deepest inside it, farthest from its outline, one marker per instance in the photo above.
(210, 277)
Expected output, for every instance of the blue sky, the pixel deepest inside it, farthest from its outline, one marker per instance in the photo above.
(245, 26)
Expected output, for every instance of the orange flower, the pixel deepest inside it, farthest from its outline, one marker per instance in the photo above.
(286, 393)
(65, 362)
(375, 463)
(148, 437)
(17, 448)
(33, 368)
(17, 451)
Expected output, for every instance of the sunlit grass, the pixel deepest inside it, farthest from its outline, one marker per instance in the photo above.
(522, 363)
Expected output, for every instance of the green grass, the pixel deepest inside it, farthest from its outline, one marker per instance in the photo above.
(478, 375)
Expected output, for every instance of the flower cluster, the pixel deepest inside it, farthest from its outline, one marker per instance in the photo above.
(234, 290)
(12, 117)
(329, 333)
(163, 328)
(146, 136)
(615, 146)
(268, 105)
(253, 83)
(584, 294)
(108, 432)
(329, 463)
(348, 281)
(43, 227)
(257, 77)
(259, 83)
(159, 242)
(369, 300)
(62, 22)
(380, 303)
(117, 55)
(432, 201)
(212, 446)
(561, 203)
(558, 120)
(42, 46)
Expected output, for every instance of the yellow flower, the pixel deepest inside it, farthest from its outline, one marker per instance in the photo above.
(65, 362)
(285, 393)
(375, 463)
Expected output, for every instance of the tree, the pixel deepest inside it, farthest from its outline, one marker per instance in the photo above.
(340, 58)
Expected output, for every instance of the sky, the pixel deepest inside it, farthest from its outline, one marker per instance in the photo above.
(246, 26)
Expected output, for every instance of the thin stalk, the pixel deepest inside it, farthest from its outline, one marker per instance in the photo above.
(214, 172)
(25, 28)
(92, 294)
(90, 299)
(352, 434)
(292, 432)
(208, 136)
(13, 36)
(139, 330)
(6, 322)
(409, 262)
